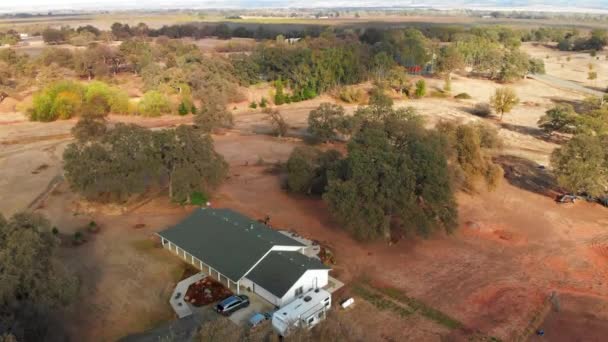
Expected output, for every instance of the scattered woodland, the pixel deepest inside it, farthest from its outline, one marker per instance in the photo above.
(383, 172)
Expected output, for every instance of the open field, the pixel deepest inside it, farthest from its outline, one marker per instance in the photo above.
(572, 65)
(158, 19)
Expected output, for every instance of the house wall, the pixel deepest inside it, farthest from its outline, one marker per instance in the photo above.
(310, 280)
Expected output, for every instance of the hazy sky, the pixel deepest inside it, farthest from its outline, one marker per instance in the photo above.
(44, 5)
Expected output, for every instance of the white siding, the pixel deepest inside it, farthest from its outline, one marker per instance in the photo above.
(246, 283)
(310, 280)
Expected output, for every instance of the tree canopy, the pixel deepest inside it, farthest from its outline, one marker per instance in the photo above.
(394, 176)
(32, 282)
(307, 169)
(504, 100)
(327, 120)
(581, 165)
(114, 164)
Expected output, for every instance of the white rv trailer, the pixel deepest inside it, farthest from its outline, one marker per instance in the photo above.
(306, 311)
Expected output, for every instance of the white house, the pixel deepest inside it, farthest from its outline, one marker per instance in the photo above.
(246, 254)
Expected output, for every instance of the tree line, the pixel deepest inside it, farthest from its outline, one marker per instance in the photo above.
(299, 71)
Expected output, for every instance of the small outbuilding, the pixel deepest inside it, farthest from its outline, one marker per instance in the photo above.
(246, 254)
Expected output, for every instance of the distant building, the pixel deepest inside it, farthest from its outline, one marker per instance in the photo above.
(292, 40)
(23, 36)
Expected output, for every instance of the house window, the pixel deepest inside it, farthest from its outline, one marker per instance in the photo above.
(299, 290)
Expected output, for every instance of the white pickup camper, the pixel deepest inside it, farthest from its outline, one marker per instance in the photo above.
(305, 311)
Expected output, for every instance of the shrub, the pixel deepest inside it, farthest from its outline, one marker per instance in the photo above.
(325, 121)
(154, 103)
(93, 227)
(66, 105)
(253, 105)
(78, 238)
(263, 102)
(378, 97)
(182, 109)
(488, 136)
(101, 99)
(482, 109)
(55, 231)
(351, 95)
(439, 94)
(420, 88)
(66, 99)
(447, 86)
(463, 96)
(277, 121)
(279, 97)
(536, 66)
(198, 198)
(60, 100)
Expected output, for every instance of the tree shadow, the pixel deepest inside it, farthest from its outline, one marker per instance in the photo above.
(473, 111)
(527, 130)
(579, 106)
(596, 88)
(528, 175)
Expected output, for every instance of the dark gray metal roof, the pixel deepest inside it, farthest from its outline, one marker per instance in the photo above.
(278, 271)
(225, 240)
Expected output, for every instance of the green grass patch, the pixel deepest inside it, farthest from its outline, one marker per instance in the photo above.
(421, 308)
(381, 302)
(439, 94)
(397, 300)
(198, 198)
(144, 245)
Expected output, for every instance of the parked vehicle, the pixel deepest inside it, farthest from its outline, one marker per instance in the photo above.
(566, 198)
(232, 304)
(259, 318)
(306, 311)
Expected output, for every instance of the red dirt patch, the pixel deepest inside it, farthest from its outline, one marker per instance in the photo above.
(600, 246)
(206, 291)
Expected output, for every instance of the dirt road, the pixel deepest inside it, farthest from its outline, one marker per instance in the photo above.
(565, 84)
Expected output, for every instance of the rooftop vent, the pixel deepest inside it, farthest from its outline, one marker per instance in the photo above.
(307, 298)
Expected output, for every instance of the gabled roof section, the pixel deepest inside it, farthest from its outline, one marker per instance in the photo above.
(279, 271)
(226, 240)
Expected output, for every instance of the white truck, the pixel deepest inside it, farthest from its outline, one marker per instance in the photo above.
(306, 311)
